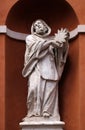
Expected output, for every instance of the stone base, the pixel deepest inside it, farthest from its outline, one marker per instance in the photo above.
(42, 125)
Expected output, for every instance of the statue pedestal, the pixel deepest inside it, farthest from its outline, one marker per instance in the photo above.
(42, 125)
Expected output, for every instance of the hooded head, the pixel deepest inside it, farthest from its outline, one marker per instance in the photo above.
(40, 28)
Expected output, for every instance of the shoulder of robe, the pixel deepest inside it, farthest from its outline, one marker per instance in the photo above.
(29, 39)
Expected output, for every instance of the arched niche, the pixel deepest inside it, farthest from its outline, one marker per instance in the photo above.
(57, 14)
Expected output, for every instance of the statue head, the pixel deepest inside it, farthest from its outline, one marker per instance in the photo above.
(40, 28)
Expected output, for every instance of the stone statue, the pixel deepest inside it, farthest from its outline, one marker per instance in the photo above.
(45, 58)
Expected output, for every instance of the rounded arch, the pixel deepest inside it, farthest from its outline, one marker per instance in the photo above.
(57, 14)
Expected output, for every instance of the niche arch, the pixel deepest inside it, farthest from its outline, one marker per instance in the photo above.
(57, 14)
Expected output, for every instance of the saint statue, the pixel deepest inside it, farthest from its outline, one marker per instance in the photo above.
(45, 58)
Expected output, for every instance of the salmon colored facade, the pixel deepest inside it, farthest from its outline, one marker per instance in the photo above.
(18, 16)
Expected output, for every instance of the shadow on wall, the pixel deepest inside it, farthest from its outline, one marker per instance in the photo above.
(57, 14)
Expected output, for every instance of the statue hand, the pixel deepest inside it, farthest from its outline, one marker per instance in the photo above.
(62, 36)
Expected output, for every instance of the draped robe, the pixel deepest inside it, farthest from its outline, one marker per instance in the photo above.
(41, 66)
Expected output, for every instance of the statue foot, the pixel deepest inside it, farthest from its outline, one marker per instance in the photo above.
(45, 114)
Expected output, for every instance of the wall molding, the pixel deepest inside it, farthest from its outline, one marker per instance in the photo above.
(3, 28)
(21, 36)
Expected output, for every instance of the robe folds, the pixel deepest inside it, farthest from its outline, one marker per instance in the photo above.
(41, 63)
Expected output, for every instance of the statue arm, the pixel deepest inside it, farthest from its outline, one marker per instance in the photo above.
(26, 56)
(54, 43)
(29, 41)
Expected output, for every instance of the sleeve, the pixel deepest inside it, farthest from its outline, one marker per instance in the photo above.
(49, 43)
(29, 42)
(26, 56)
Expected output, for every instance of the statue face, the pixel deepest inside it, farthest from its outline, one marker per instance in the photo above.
(39, 27)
